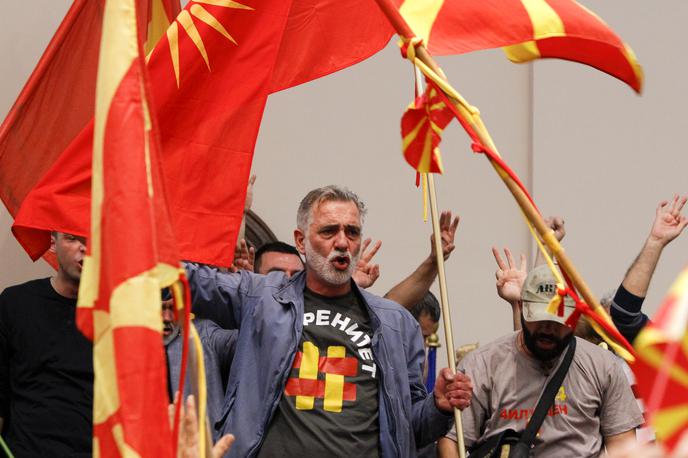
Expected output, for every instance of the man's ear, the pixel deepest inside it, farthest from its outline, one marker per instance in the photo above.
(299, 238)
(53, 241)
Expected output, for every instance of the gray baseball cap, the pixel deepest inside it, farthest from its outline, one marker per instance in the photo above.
(538, 290)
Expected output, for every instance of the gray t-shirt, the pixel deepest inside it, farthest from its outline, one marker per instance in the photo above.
(594, 401)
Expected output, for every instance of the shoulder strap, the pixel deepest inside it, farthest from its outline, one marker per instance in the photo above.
(547, 397)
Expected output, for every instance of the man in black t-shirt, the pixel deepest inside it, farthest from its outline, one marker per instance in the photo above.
(46, 364)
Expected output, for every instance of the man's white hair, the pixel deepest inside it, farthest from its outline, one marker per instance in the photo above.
(326, 193)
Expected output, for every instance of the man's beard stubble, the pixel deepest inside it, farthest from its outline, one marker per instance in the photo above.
(530, 341)
(323, 265)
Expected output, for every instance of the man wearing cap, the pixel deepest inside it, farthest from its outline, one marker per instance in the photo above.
(594, 407)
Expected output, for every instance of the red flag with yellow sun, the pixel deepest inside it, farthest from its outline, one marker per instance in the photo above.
(661, 368)
(212, 73)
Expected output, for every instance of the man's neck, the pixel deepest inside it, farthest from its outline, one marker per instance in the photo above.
(64, 287)
(322, 288)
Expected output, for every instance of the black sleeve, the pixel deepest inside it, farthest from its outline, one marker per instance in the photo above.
(626, 314)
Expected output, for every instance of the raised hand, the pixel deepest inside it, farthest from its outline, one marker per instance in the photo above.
(447, 232)
(669, 223)
(510, 277)
(189, 439)
(556, 223)
(367, 273)
(248, 202)
(244, 258)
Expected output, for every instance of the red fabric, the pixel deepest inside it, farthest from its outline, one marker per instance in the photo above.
(132, 191)
(428, 109)
(324, 36)
(661, 389)
(466, 25)
(671, 394)
(316, 389)
(208, 127)
(347, 366)
(142, 384)
(55, 104)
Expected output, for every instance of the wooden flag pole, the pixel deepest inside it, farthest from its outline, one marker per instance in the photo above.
(444, 302)
(427, 63)
(441, 274)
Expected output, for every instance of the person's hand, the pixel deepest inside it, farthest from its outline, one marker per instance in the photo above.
(367, 273)
(244, 258)
(452, 391)
(556, 223)
(669, 223)
(447, 233)
(510, 278)
(188, 445)
(248, 202)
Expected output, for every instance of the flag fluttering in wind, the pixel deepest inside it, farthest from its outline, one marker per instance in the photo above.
(661, 368)
(127, 264)
(57, 101)
(421, 131)
(212, 73)
(526, 29)
(420, 22)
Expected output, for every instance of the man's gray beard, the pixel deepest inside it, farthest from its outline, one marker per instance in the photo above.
(324, 268)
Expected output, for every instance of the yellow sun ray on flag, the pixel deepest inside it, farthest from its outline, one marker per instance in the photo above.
(186, 20)
(201, 13)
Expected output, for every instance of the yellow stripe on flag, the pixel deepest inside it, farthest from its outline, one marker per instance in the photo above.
(105, 389)
(421, 15)
(669, 421)
(334, 384)
(546, 23)
(116, 54)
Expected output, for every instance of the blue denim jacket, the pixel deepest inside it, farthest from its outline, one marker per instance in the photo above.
(268, 311)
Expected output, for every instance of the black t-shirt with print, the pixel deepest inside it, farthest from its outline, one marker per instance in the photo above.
(330, 403)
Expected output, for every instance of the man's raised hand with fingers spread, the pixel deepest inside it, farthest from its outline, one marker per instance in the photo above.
(510, 278)
(411, 290)
(625, 310)
(367, 273)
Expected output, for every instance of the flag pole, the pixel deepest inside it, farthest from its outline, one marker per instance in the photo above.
(421, 54)
(444, 296)
(444, 302)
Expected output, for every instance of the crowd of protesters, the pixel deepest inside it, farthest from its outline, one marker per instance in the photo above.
(301, 360)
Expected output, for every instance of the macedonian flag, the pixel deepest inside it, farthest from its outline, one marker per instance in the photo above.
(421, 131)
(57, 101)
(211, 74)
(526, 29)
(661, 368)
(127, 263)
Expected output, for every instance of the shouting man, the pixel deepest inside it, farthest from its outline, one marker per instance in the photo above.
(321, 366)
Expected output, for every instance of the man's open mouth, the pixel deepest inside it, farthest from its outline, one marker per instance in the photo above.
(341, 262)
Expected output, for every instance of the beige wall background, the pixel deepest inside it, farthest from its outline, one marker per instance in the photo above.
(586, 145)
